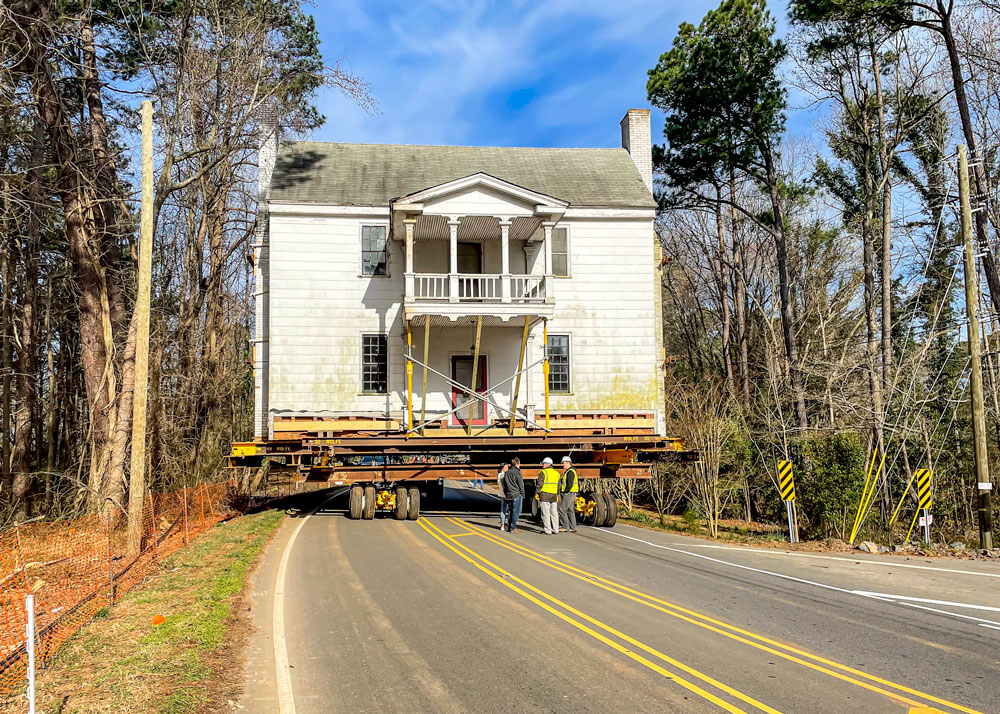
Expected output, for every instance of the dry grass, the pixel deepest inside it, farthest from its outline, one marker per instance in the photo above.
(121, 662)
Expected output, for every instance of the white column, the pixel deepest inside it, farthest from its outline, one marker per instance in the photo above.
(453, 260)
(505, 259)
(410, 224)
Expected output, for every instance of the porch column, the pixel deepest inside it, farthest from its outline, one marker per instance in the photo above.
(505, 260)
(410, 224)
(453, 260)
(547, 228)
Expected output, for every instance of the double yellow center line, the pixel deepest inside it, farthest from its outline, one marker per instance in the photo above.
(896, 692)
(540, 597)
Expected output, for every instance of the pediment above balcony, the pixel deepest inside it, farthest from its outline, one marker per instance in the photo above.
(480, 195)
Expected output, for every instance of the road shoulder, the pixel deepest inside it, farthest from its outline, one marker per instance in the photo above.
(169, 644)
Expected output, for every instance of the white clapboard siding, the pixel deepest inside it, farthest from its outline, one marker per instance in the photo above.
(320, 305)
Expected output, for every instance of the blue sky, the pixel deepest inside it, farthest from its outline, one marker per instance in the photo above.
(544, 73)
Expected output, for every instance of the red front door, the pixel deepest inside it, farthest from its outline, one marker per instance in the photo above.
(461, 372)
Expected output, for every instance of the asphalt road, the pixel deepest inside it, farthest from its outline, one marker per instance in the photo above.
(448, 614)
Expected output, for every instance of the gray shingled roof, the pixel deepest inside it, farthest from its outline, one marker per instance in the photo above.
(374, 174)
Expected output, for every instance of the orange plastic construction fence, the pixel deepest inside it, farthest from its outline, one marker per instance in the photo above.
(76, 568)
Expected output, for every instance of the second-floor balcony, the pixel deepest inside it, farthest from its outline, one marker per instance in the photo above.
(454, 296)
(478, 246)
(476, 288)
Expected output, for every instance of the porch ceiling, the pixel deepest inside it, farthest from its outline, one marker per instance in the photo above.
(476, 228)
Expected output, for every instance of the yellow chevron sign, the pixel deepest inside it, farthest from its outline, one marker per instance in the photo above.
(923, 477)
(786, 481)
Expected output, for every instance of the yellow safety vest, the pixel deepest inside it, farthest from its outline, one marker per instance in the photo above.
(551, 482)
(572, 482)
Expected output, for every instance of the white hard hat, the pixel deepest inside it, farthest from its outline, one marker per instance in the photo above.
(546, 461)
(567, 460)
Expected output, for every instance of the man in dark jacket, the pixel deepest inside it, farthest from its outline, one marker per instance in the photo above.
(513, 495)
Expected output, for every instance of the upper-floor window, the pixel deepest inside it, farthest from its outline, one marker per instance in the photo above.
(558, 350)
(374, 251)
(560, 252)
(374, 364)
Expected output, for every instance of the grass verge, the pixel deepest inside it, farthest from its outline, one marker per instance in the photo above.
(121, 662)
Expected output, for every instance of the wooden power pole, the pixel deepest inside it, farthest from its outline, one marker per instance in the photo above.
(137, 471)
(972, 311)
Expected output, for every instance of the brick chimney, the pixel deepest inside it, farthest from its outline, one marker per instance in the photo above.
(637, 141)
(267, 149)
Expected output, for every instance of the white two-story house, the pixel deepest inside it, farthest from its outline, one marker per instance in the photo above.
(469, 262)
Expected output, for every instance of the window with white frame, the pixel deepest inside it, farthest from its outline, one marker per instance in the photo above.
(560, 252)
(374, 251)
(558, 350)
(374, 364)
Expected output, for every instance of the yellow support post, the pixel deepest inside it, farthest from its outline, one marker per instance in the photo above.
(423, 398)
(545, 367)
(409, 376)
(475, 375)
(868, 496)
(517, 381)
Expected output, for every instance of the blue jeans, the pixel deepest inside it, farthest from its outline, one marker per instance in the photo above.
(477, 483)
(510, 511)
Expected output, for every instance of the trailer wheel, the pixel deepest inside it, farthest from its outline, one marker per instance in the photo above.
(357, 496)
(413, 510)
(611, 515)
(402, 504)
(600, 510)
(368, 512)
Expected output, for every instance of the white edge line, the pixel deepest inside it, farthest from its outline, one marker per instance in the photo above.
(859, 593)
(282, 670)
(843, 559)
(981, 621)
(929, 601)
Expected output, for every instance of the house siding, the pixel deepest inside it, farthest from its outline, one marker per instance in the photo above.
(320, 305)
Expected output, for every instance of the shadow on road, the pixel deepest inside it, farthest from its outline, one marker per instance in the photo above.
(453, 499)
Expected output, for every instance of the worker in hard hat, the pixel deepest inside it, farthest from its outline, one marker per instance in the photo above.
(568, 489)
(547, 487)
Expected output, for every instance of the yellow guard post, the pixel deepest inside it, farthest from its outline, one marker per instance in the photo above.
(545, 367)
(517, 382)
(409, 377)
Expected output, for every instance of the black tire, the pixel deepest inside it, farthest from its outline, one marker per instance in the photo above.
(413, 507)
(354, 508)
(402, 504)
(600, 510)
(611, 515)
(368, 512)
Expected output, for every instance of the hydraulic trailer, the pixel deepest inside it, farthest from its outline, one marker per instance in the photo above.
(390, 473)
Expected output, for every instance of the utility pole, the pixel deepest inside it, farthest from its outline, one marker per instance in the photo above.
(137, 471)
(971, 308)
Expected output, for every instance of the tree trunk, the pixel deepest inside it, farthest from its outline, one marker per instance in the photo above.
(739, 296)
(27, 363)
(784, 291)
(979, 176)
(885, 165)
(722, 279)
(91, 202)
(6, 363)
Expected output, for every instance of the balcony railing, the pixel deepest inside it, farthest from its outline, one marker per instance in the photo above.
(463, 287)
(430, 287)
(527, 288)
